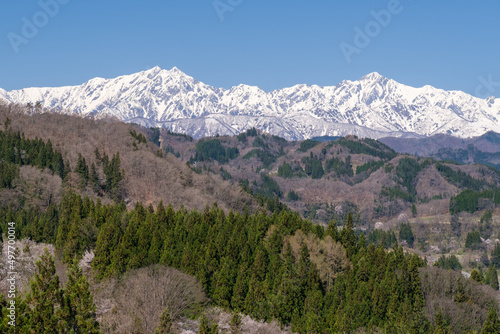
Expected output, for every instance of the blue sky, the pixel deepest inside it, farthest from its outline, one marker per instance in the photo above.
(270, 44)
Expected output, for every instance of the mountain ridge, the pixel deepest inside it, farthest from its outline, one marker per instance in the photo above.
(373, 106)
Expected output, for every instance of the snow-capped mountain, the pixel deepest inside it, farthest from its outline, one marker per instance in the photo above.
(373, 106)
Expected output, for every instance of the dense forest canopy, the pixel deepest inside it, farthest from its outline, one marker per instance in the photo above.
(264, 260)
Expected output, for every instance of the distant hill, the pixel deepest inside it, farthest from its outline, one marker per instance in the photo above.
(325, 180)
(484, 149)
(321, 179)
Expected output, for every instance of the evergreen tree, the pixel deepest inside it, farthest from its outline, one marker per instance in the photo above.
(492, 324)
(405, 233)
(44, 296)
(94, 179)
(492, 277)
(78, 308)
(440, 326)
(495, 256)
(348, 237)
(165, 326)
(460, 296)
(207, 328)
(82, 170)
(235, 323)
(475, 275)
(332, 231)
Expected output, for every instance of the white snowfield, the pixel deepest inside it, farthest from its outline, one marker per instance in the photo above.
(373, 106)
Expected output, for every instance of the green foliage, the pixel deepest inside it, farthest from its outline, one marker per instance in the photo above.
(450, 263)
(369, 147)
(264, 156)
(307, 145)
(225, 174)
(369, 167)
(165, 325)
(386, 239)
(138, 136)
(78, 309)
(18, 150)
(388, 168)
(440, 326)
(8, 173)
(491, 277)
(51, 309)
(212, 149)
(485, 226)
(252, 132)
(292, 196)
(114, 175)
(339, 166)
(395, 193)
(476, 276)
(242, 137)
(94, 178)
(468, 200)
(285, 171)
(405, 233)
(244, 263)
(83, 170)
(495, 256)
(407, 170)
(170, 149)
(260, 143)
(459, 178)
(313, 166)
(44, 296)
(235, 323)
(413, 210)
(270, 187)
(492, 324)
(153, 135)
(206, 328)
(473, 240)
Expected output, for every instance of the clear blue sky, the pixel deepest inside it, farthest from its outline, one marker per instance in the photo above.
(271, 44)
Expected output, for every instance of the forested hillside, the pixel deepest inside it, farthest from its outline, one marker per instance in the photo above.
(325, 180)
(280, 231)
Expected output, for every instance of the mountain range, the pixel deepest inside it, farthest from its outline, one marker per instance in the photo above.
(373, 106)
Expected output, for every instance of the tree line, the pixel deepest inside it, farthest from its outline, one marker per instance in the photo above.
(250, 263)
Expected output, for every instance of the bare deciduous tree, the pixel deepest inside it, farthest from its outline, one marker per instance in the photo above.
(141, 295)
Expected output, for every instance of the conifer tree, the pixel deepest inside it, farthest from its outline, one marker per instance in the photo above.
(492, 324)
(495, 256)
(206, 328)
(475, 275)
(78, 308)
(492, 277)
(440, 326)
(348, 237)
(82, 170)
(45, 294)
(94, 179)
(235, 323)
(165, 326)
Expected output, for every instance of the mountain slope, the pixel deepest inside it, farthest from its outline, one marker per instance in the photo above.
(373, 106)
(484, 149)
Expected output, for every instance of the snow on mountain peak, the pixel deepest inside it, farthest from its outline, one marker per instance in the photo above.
(372, 106)
(374, 76)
